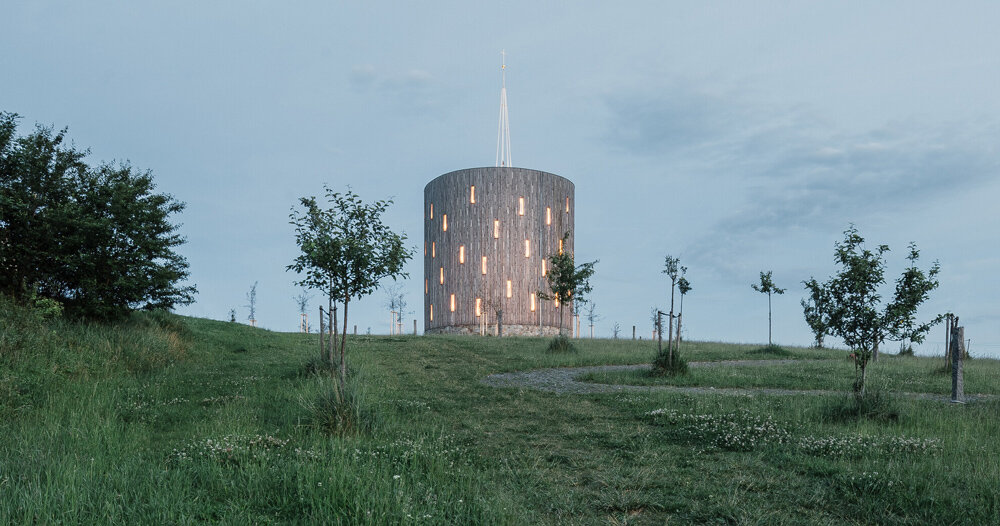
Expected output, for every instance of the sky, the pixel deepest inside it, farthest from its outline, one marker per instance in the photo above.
(737, 136)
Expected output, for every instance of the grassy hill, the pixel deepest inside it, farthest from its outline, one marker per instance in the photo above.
(165, 419)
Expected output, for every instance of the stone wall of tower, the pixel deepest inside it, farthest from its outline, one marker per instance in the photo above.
(487, 232)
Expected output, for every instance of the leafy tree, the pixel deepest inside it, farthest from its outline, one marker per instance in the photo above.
(346, 251)
(768, 287)
(98, 240)
(856, 312)
(568, 282)
(816, 310)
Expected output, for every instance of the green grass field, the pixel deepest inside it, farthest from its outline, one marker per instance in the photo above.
(169, 420)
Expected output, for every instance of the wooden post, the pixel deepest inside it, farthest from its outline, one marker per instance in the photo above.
(957, 352)
(633, 332)
(414, 326)
(355, 330)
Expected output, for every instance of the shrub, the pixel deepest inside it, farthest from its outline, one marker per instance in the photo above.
(875, 405)
(663, 366)
(338, 409)
(772, 350)
(561, 344)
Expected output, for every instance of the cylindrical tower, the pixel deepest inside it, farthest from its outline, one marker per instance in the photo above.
(487, 235)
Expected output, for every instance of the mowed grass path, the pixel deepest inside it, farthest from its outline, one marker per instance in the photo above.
(219, 430)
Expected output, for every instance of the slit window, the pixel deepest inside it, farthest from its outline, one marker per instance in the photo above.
(479, 307)
(432, 312)
(432, 211)
(567, 205)
(433, 249)
(484, 265)
(520, 206)
(452, 303)
(496, 229)
(560, 246)
(461, 254)
(544, 269)
(532, 302)
(527, 248)
(510, 289)
(556, 301)
(472, 194)
(548, 215)
(444, 222)
(441, 279)
(425, 285)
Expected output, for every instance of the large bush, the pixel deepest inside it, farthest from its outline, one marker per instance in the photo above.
(98, 240)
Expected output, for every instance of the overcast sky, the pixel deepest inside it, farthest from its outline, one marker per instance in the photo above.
(738, 136)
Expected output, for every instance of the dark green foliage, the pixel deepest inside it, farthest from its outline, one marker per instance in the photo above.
(772, 350)
(567, 281)
(669, 364)
(853, 300)
(338, 410)
(876, 405)
(96, 240)
(561, 344)
(817, 310)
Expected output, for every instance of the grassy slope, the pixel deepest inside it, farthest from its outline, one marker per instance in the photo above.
(184, 420)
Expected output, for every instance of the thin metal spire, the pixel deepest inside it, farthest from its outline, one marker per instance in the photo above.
(503, 128)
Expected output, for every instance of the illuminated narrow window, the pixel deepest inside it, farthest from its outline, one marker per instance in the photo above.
(548, 215)
(444, 222)
(461, 254)
(432, 210)
(484, 265)
(567, 205)
(510, 289)
(442, 276)
(532, 302)
(527, 248)
(452, 303)
(425, 285)
(432, 312)
(496, 229)
(560, 246)
(544, 270)
(556, 301)
(479, 307)
(433, 249)
(425, 248)
(520, 206)
(472, 194)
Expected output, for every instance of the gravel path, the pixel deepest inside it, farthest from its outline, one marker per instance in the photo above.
(564, 380)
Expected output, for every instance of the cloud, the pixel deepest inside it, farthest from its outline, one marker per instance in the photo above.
(793, 173)
(414, 88)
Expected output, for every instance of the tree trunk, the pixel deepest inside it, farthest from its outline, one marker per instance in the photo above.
(322, 332)
(679, 316)
(670, 324)
(343, 341)
(769, 319)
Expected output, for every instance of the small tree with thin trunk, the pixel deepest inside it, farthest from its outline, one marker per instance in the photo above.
(672, 268)
(568, 283)
(768, 287)
(592, 316)
(615, 330)
(252, 305)
(683, 286)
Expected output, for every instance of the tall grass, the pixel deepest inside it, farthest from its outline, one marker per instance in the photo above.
(164, 419)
